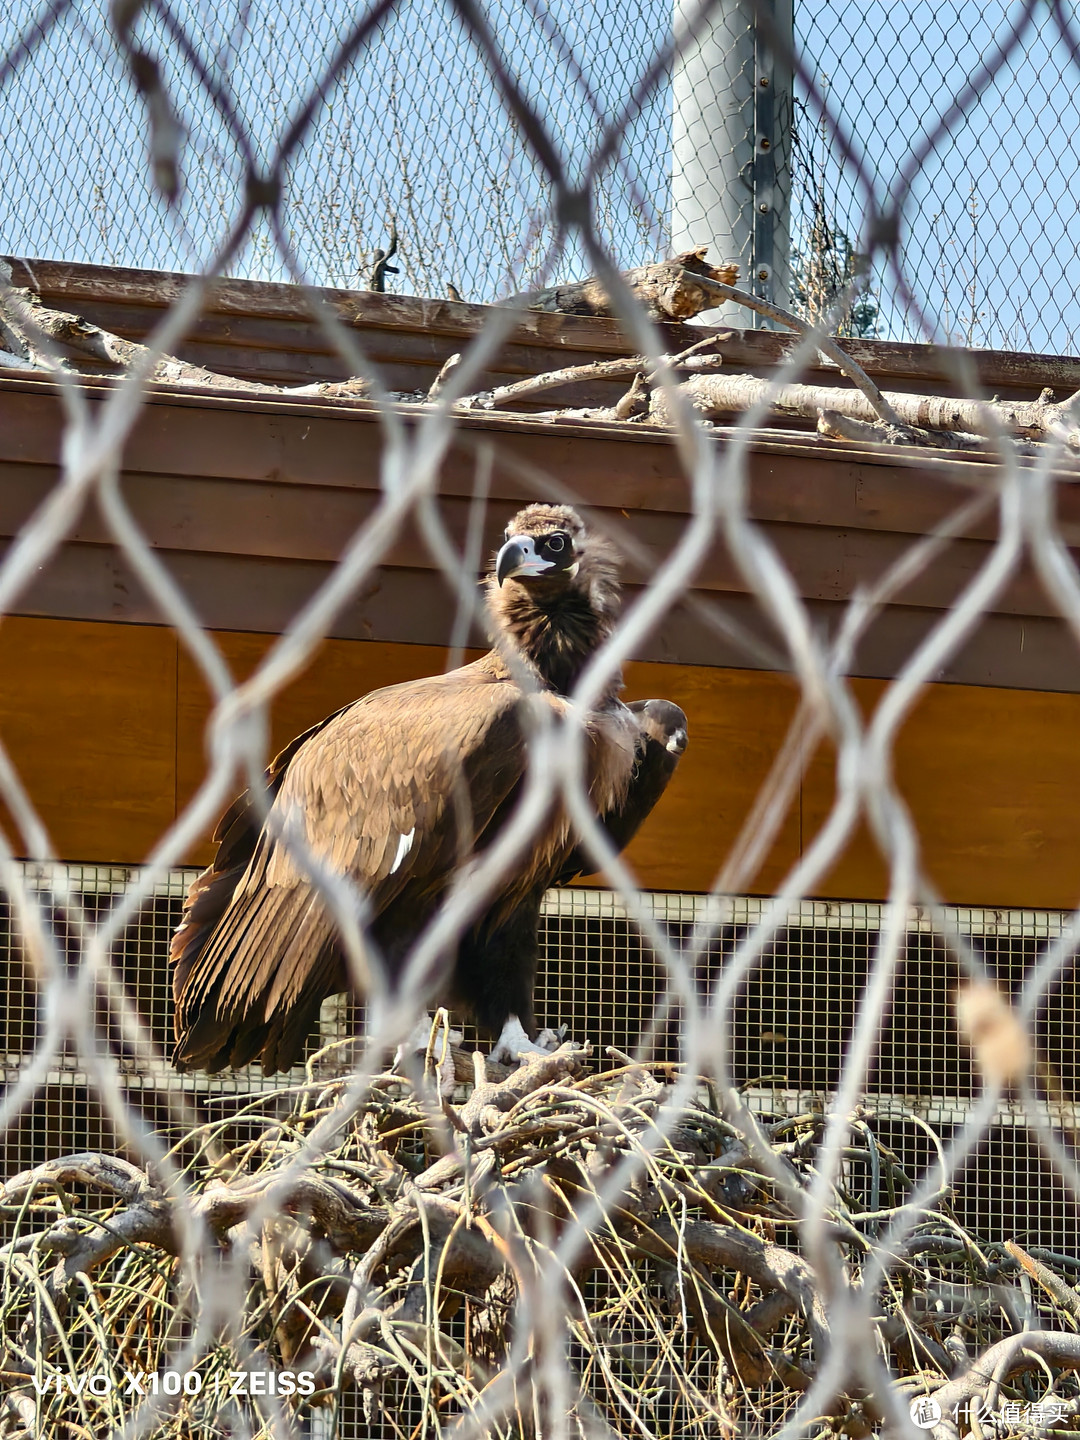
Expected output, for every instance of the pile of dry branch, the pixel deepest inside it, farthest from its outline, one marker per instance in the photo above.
(413, 1268)
(33, 335)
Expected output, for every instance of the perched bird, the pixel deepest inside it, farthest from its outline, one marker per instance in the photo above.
(662, 740)
(401, 789)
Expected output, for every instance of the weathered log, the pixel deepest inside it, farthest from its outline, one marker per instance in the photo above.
(667, 290)
(720, 395)
(835, 426)
(26, 321)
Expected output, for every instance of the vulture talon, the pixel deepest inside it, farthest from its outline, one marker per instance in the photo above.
(514, 1043)
(421, 1036)
(401, 789)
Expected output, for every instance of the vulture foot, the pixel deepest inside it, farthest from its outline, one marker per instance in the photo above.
(513, 1043)
(549, 1040)
(437, 1034)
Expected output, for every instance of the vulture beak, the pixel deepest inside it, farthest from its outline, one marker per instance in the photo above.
(518, 560)
(678, 742)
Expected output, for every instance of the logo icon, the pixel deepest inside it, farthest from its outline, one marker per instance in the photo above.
(925, 1412)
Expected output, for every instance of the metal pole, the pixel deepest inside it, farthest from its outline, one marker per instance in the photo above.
(731, 144)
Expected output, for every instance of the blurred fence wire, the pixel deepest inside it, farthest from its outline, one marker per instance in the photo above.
(650, 1249)
(411, 138)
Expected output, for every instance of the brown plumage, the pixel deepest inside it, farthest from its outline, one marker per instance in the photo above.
(663, 738)
(397, 791)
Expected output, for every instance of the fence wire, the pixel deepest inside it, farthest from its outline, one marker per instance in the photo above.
(721, 1232)
(988, 231)
(413, 142)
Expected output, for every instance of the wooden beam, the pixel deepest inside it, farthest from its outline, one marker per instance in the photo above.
(88, 717)
(106, 722)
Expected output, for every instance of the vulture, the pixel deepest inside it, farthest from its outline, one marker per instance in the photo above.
(400, 789)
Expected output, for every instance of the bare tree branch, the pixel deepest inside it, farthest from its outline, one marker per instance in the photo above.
(675, 289)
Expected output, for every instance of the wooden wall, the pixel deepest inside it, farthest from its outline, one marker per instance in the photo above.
(104, 723)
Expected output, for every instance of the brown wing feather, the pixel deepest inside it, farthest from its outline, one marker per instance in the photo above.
(392, 791)
(662, 741)
(236, 837)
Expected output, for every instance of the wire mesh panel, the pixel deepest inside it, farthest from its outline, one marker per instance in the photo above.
(989, 214)
(413, 144)
(790, 1028)
(412, 139)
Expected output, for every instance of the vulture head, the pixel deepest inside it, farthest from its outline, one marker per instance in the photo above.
(663, 723)
(554, 592)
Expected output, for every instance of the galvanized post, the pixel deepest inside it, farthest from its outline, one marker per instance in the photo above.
(771, 179)
(731, 144)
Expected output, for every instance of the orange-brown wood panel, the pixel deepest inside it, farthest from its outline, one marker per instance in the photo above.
(106, 723)
(88, 715)
(737, 720)
(992, 778)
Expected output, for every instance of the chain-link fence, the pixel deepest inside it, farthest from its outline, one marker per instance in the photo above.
(411, 139)
(988, 211)
(411, 142)
(818, 1171)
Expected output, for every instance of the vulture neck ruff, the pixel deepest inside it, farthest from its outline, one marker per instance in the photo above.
(557, 625)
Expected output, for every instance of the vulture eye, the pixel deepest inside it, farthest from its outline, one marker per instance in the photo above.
(556, 543)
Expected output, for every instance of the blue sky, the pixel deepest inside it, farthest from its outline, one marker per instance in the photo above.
(991, 232)
(414, 132)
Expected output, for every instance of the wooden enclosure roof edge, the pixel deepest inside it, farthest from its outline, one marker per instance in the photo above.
(249, 499)
(279, 320)
(251, 503)
(250, 507)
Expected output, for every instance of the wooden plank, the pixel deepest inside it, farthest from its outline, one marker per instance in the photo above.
(992, 778)
(1009, 373)
(413, 607)
(282, 351)
(794, 479)
(283, 521)
(88, 715)
(64, 283)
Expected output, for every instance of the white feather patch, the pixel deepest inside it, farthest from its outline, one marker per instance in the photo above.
(403, 848)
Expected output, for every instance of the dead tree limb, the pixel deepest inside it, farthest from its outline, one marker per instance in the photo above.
(1029, 1350)
(100, 1172)
(623, 369)
(382, 267)
(675, 289)
(1064, 1295)
(27, 323)
(718, 1247)
(827, 344)
(356, 1260)
(721, 395)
